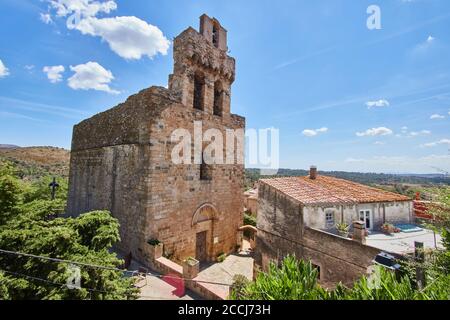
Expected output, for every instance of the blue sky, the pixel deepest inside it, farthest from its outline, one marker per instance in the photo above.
(343, 97)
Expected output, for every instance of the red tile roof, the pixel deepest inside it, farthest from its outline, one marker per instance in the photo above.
(329, 190)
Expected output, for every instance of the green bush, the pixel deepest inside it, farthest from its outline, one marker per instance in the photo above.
(249, 220)
(221, 257)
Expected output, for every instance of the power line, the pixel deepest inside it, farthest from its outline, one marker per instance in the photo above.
(17, 274)
(63, 261)
(109, 268)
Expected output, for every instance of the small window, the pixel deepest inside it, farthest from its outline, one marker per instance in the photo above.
(215, 36)
(199, 87)
(366, 216)
(218, 99)
(205, 171)
(329, 219)
(317, 267)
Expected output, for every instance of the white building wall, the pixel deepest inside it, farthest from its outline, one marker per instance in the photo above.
(389, 212)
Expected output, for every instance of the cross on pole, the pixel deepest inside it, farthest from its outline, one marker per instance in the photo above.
(54, 185)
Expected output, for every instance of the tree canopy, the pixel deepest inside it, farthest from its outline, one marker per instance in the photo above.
(29, 223)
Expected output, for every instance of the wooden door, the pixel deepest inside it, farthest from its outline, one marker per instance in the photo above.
(201, 250)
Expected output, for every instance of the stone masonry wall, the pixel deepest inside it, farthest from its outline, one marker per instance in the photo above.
(109, 164)
(177, 191)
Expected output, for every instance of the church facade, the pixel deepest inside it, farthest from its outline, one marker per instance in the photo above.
(122, 159)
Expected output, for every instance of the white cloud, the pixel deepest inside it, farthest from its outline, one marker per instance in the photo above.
(54, 73)
(437, 117)
(437, 143)
(381, 131)
(128, 36)
(424, 46)
(46, 18)
(379, 143)
(91, 76)
(4, 71)
(379, 103)
(85, 8)
(419, 133)
(412, 134)
(313, 133)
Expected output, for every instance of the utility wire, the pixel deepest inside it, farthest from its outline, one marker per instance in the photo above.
(108, 268)
(17, 274)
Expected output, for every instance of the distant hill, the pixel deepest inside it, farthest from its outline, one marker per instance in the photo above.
(8, 146)
(35, 162)
(252, 175)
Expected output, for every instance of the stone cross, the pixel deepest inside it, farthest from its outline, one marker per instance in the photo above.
(54, 185)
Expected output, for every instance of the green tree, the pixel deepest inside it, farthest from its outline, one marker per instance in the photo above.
(86, 239)
(10, 192)
(29, 223)
(292, 280)
(40, 190)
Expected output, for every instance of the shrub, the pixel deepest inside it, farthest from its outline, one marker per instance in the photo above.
(221, 257)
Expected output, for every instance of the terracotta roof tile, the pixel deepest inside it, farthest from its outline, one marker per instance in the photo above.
(329, 190)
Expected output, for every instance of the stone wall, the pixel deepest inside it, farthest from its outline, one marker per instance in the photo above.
(252, 205)
(111, 178)
(177, 190)
(110, 163)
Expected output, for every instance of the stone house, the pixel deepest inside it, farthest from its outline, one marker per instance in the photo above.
(251, 202)
(121, 159)
(299, 215)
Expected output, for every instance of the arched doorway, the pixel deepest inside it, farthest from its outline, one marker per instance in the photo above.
(203, 226)
(249, 234)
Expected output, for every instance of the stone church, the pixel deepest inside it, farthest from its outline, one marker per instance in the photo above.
(121, 158)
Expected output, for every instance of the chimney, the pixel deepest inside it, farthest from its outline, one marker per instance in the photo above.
(359, 231)
(313, 173)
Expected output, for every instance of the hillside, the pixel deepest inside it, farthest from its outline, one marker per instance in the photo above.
(36, 162)
(8, 146)
(378, 179)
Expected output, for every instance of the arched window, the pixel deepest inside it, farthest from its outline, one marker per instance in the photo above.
(199, 90)
(205, 212)
(218, 99)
